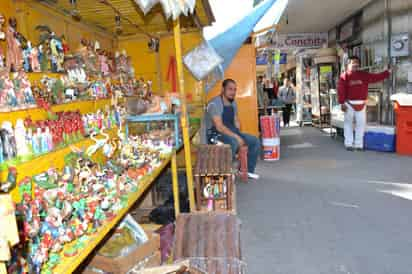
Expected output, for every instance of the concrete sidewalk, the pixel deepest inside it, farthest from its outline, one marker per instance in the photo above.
(323, 210)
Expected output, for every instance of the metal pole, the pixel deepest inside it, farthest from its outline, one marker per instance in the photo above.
(185, 124)
(392, 81)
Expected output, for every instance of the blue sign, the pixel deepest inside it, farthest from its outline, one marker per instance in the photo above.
(262, 59)
(283, 58)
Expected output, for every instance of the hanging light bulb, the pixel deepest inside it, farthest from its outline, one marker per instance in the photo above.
(75, 12)
(118, 28)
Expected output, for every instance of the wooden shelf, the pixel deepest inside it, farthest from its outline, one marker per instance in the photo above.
(41, 163)
(70, 264)
(37, 113)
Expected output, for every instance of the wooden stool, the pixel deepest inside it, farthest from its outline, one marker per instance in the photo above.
(213, 178)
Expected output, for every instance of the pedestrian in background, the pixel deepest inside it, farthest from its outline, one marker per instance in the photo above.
(288, 96)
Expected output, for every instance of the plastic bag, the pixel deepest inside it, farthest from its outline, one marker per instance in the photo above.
(146, 5)
(202, 60)
(127, 238)
(167, 8)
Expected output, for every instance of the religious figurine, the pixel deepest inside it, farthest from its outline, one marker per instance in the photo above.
(104, 66)
(3, 93)
(14, 57)
(2, 21)
(2, 37)
(8, 140)
(20, 136)
(65, 45)
(10, 182)
(8, 88)
(27, 57)
(43, 58)
(35, 60)
(54, 48)
(27, 91)
(18, 90)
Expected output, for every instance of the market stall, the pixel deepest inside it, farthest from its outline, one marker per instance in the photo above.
(67, 90)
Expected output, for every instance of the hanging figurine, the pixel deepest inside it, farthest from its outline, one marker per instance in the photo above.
(14, 57)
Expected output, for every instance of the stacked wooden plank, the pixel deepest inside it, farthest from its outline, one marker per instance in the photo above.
(213, 178)
(211, 241)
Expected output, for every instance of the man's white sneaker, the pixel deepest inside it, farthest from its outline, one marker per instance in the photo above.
(253, 176)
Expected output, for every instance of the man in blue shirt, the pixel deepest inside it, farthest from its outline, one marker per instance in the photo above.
(222, 117)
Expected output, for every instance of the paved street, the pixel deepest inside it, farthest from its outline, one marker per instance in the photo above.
(323, 210)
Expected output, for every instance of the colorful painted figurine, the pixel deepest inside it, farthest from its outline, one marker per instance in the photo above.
(10, 183)
(20, 136)
(14, 51)
(8, 140)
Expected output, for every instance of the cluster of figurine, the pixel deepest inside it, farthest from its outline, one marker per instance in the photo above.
(162, 140)
(29, 138)
(52, 55)
(15, 93)
(70, 206)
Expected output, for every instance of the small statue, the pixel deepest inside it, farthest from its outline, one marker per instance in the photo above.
(35, 60)
(3, 93)
(43, 58)
(20, 136)
(27, 91)
(27, 57)
(104, 66)
(65, 45)
(8, 88)
(14, 50)
(10, 183)
(2, 37)
(8, 140)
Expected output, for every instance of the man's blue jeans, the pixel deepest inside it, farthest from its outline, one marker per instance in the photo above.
(253, 148)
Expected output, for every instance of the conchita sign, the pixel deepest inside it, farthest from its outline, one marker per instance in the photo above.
(299, 40)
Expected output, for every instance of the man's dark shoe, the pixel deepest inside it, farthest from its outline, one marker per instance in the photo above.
(359, 149)
(350, 149)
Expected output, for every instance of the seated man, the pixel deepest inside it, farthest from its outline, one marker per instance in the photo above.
(223, 119)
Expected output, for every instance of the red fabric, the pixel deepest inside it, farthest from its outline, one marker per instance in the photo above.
(354, 85)
(171, 73)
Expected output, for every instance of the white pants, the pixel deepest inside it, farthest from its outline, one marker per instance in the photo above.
(359, 117)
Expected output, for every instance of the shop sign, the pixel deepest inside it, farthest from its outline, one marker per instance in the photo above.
(262, 58)
(299, 40)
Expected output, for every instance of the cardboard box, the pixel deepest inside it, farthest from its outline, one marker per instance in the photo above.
(121, 265)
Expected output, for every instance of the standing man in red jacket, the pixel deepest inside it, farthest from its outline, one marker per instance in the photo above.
(353, 94)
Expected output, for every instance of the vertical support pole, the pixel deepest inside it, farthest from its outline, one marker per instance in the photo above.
(185, 126)
(175, 183)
